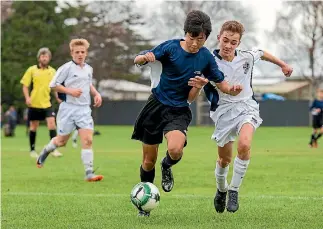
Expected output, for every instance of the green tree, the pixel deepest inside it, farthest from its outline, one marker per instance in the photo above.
(31, 25)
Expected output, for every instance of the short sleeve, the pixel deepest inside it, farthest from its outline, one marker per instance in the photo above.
(212, 72)
(257, 54)
(26, 79)
(60, 76)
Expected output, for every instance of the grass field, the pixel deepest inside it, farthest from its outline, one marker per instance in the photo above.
(283, 187)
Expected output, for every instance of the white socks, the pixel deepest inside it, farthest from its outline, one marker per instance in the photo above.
(239, 171)
(50, 147)
(221, 177)
(87, 159)
(75, 134)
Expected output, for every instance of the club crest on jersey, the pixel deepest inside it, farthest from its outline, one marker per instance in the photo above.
(198, 73)
(246, 67)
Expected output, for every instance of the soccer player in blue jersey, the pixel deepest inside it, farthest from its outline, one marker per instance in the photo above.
(317, 118)
(167, 111)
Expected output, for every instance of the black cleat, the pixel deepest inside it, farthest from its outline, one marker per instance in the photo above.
(219, 201)
(143, 214)
(167, 179)
(233, 204)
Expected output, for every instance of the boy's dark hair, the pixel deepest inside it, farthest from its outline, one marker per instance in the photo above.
(197, 22)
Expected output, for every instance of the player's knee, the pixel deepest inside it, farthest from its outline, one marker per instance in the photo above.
(88, 141)
(149, 163)
(59, 142)
(224, 161)
(175, 151)
(243, 147)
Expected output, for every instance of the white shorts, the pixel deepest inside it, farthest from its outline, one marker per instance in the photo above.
(229, 118)
(71, 117)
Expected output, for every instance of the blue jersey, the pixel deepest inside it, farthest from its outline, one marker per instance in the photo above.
(317, 104)
(178, 66)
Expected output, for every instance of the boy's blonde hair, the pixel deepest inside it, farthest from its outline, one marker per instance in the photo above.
(232, 26)
(79, 42)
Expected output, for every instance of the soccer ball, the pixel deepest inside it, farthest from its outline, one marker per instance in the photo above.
(145, 196)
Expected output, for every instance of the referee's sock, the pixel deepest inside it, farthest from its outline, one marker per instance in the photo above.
(52, 133)
(32, 140)
(318, 136)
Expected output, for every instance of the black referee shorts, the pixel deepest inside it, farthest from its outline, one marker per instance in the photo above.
(317, 122)
(39, 114)
(157, 119)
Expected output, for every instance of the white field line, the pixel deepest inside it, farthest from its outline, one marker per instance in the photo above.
(183, 196)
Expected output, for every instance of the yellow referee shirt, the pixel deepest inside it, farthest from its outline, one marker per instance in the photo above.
(39, 79)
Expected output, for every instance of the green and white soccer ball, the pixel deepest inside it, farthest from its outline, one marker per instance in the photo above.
(145, 196)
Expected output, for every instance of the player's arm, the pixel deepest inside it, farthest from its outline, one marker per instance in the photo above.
(156, 53)
(216, 79)
(286, 69)
(57, 83)
(96, 95)
(197, 84)
(26, 81)
(57, 97)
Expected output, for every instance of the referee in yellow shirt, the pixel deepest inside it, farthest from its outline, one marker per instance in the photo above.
(38, 78)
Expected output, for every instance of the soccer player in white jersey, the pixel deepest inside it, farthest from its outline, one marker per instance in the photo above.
(235, 115)
(74, 81)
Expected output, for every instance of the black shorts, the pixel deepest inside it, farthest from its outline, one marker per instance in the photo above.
(39, 114)
(157, 119)
(317, 122)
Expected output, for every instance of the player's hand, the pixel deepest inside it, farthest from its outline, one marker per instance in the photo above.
(28, 101)
(97, 100)
(235, 90)
(149, 57)
(287, 70)
(75, 92)
(198, 82)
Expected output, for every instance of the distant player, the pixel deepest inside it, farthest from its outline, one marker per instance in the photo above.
(167, 111)
(235, 115)
(74, 80)
(317, 118)
(40, 108)
(74, 138)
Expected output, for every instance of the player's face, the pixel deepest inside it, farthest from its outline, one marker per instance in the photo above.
(320, 94)
(194, 44)
(44, 60)
(229, 41)
(79, 54)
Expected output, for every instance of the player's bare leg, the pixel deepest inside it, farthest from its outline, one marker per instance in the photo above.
(175, 144)
(240, 165)
(221, 173)
(32, 137)
(86, 136)
(51, 125)
(147, 168)
(319, 133)
(58, 141)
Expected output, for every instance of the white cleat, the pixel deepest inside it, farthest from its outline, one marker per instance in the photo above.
(33, 154)
(74, 144)
(56, 153)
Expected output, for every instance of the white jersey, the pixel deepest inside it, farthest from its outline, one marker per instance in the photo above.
(155, 72)
(239, 71)
(72, 75)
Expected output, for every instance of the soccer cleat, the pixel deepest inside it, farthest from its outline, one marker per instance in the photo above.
(33, 154)
(167, 179)
(56, 153)
(233, 204)
(219, 201)
(42, 157)
(91, 177)
(143, 214)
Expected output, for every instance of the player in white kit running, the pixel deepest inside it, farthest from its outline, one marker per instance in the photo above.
(73, 81)
(235, 115)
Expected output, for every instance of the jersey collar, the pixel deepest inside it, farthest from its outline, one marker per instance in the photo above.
(216, 53)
